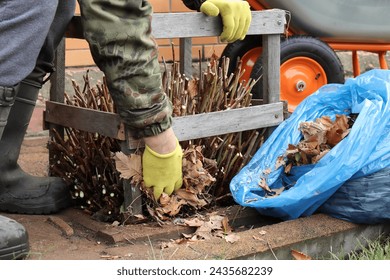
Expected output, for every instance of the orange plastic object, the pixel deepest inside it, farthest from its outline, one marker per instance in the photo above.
(300, 77)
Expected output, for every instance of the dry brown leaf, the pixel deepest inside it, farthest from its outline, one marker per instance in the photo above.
(315, 159)
(312, 131)
(309, 148)
(173, 207)
(195, 176)
(191, 198)
(334, 136)
(195, 222)
(341, 122)
(164, 199)
(299, 255)
(129, 166)
(193, 88)
(325, 121)
(291, 149)
(280, 161)
(231, 238)
(206, 235)
(214, 224)
(338, 131)
(263, 184)
(287, 169)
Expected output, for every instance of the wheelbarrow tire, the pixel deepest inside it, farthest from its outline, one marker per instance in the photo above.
(237, 50)
(305, 47)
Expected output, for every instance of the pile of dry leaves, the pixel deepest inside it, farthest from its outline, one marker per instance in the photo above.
(206, 227)
(319, 137)
(193, 195)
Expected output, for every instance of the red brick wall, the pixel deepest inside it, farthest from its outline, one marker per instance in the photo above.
(77, 51)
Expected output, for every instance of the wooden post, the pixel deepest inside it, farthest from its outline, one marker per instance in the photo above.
(57, 86)
(271, 66)
(186, 56)
(271, 73)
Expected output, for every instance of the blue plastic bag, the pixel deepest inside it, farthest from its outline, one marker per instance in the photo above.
(363, 200)
(364, 151)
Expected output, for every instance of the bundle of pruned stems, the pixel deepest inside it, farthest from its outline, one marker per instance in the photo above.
(85, 160)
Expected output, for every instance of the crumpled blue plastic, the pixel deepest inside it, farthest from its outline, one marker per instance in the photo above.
(363, 200)
(364, 151)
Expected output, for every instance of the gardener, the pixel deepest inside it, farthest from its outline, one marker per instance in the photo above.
(118, 33)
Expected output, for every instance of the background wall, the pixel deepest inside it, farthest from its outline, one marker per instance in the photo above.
(78, 55)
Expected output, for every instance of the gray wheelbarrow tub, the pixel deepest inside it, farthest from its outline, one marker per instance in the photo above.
(352, 21)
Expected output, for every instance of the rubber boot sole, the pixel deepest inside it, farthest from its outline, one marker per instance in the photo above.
(16, 252)
(35, 208)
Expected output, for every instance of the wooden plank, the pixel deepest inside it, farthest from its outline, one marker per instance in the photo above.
(186, 128)
(104, 123)
(223, 122)
(228, 121)
(165, 25)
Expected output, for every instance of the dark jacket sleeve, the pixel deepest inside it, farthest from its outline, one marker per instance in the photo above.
(193, 4)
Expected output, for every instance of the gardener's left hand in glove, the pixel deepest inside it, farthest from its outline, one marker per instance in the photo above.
(162, 163)
(236, 17)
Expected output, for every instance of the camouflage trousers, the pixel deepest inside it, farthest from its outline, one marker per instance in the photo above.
(119, 35)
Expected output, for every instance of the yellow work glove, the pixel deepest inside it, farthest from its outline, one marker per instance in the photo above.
(162, 172)
(236, 17)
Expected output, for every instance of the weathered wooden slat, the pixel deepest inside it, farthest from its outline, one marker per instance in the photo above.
(186, 128)
(104, 123)
(164, 25)
(223, 122)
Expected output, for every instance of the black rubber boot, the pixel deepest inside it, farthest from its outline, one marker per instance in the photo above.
(7, 99)
(19, 191)
(13, 240)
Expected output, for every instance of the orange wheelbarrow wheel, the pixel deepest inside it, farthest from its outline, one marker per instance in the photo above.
(247, 51)
(299, 77)
(307, 63)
